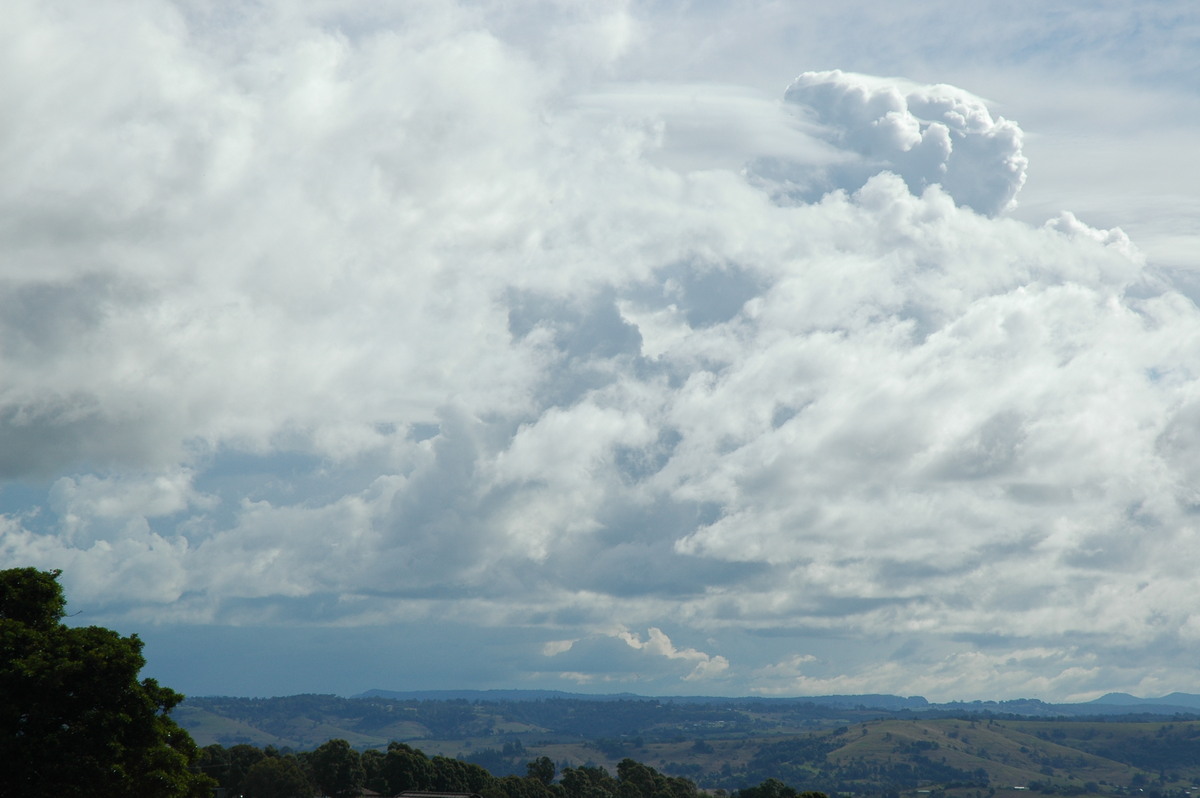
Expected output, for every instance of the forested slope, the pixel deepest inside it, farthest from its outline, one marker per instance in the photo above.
(735, 746)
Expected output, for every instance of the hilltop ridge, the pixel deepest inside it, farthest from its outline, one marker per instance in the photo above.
(826, 743)
(1110, 703)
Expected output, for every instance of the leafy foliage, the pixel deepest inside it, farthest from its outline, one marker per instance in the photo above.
(277, 777)
(337, 770)
(76, 690)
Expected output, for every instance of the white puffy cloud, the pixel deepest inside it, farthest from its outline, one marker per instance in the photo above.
(926, 134)
(658, 643)
(596, 659)
(349, 317)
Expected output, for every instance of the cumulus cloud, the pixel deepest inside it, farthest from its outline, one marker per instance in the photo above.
(926, 134)
(658, 643)
(657, 660)
(372, 319)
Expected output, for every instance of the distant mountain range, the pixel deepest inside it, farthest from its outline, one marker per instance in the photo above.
(1110, 704)
(1189, 700)
(891, 703)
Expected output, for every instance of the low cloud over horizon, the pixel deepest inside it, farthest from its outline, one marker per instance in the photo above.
(495, 355)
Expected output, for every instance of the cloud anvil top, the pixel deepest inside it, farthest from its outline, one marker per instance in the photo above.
(536, 356)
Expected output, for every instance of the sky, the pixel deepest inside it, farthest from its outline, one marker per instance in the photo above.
(674, 348)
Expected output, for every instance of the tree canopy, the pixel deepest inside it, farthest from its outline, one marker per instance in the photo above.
(75, 720)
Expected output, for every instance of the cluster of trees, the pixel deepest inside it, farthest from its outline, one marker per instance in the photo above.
(337, 770)
(774, 788)
(75, 720)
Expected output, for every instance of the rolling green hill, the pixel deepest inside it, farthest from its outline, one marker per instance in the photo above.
(731, 746)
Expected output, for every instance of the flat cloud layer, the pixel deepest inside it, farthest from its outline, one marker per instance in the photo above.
(344, 319)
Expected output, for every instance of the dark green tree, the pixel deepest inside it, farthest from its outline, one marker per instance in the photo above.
(31, 598)
(588, 782)
(374, 777)
(642, 781)
(455, 775)
(74, 718)
(229, 766)
(407, 768)
(277, 777)
(774, 788)
(337, 769)
(541, 769)
(517, 787)
(637, 780)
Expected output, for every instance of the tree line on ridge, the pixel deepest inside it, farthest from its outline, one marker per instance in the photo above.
(337, 770)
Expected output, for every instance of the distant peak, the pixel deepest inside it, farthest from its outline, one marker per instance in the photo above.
(1117, 698)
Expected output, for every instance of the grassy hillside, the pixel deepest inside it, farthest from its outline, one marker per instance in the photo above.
(724, 748)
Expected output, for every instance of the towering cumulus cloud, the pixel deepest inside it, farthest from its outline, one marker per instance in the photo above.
(313, 324)
(925, 134)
